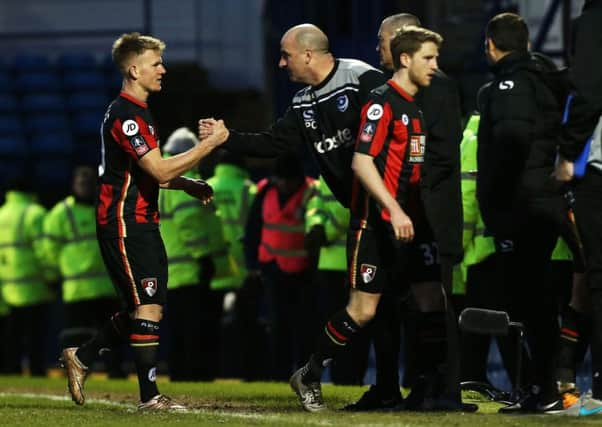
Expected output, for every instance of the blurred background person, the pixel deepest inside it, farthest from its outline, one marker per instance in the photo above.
(25, 283)
(275, 244)
(233, 194)
(70, 248)
(195, 256)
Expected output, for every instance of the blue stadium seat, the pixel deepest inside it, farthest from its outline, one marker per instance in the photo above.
(87, 151)
(39, 81)
(94, 100)
(31, 62)
(82, 80)
(10, 124)
(88, 122)
(41, 103)
(76, 61)
(52, 173)
(7, 84)
(47, 122)
(60, 143)
(11, 170)
(13, 146)
(8, 103)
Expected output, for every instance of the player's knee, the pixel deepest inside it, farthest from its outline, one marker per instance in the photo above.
(152, 312)
(361, 314)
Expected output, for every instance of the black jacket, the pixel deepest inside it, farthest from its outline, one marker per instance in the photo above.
(440, 185)
(521, 113)
(586, 80)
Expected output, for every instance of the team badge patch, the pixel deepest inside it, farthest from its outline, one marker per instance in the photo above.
(417, 143)
(139, 145)
(375, 112)
(342, 103)
(130, 127)
(367, 132)
(149, 285)
(367, 272)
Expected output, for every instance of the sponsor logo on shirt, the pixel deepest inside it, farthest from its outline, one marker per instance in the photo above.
(417, 144)
(375, 112)
(334, 142)
(130, 127)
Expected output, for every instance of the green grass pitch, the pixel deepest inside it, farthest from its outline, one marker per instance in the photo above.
(26, 401)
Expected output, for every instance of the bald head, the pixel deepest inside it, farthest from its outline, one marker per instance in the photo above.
(304, 54)
(308, 36)
(396, 22)
(388, 28)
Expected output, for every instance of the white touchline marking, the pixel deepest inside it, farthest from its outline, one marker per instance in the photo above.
(132, 408)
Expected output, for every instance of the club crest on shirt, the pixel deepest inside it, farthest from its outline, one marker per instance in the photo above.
(149, 285)
(342, 103)
(130, 127)
(139, 145)
(367, 272)
(367, 132)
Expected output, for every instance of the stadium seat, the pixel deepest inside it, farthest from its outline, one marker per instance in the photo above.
(7, 84)
(49, 122)
(88, 122)
(41, 103)
(76, 61)
(82, 80)
(8, 103)
(87, 151)
(10, 124)
(39, 81)
(94, 100)
(13, 146)
(53, 173)
(11, 169)
(31, 62)
(52, 143)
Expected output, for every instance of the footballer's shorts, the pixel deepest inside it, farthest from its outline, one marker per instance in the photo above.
(137, 266)
(377, 262)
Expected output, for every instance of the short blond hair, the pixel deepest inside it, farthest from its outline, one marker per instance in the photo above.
(133, 44)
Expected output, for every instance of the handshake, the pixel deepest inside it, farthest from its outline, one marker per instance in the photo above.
(211, 127)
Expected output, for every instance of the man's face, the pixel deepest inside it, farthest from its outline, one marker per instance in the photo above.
(385, 33)
(84, 183)
(150, 70)
(423, 64)
(292, 59)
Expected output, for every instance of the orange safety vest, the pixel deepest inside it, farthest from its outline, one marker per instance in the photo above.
(283, 230)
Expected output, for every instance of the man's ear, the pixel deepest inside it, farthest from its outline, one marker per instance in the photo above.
(404, 60)
(308, 54)
(133, 72)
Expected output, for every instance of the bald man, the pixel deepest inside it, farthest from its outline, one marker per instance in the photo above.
(323, 115)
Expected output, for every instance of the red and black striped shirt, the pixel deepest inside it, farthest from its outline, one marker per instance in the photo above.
(392, 132)
(127, 197)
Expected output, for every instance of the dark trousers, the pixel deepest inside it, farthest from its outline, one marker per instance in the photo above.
(588, 214)
(186, 357)
(26, 329)
(291, 305)
(530, 295)
(83, 320)
(349, 367)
